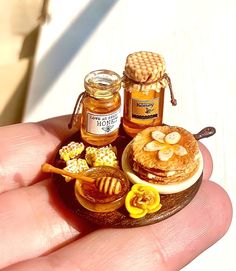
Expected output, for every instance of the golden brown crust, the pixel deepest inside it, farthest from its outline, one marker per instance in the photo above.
(150, 160)
(175, 178)
(161, 173)
(139, 168)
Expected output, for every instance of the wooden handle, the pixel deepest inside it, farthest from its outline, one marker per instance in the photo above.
(205, 132)
(51, 169)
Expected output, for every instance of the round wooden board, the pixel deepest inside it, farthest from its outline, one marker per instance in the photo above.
(171, 204)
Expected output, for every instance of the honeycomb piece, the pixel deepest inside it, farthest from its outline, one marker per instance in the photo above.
(90, 153)
(104, 156)
(75, 166)
(71, 150)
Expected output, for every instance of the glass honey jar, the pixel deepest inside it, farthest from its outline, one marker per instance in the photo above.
(101, 108)
(144, 82)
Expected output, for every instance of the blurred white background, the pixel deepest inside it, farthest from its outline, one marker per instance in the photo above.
(197, 39)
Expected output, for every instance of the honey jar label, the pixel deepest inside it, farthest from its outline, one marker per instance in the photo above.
(100, 124)
(145, 109)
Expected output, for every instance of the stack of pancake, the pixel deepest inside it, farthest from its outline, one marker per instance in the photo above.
(164, 155)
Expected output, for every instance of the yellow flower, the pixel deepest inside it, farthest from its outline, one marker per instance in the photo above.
(142, 200)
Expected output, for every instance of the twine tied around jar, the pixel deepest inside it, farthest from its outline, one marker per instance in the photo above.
(146, 71)
(145, 86)
(99, 85)
(75, 115)
(167, 78)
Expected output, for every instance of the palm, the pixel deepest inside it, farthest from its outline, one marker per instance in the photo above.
(34, 223)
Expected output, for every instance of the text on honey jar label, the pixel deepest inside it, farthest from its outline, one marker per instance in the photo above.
(100, 124)
(145, 109)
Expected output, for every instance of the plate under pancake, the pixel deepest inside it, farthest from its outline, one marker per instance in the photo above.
(163, 189)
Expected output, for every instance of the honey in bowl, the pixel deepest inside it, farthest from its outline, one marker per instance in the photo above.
(107, 193)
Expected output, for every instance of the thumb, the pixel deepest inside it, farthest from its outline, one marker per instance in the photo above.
(165, 246)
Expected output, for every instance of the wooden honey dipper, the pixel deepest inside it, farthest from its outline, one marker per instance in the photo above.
(108, 185)
(51, 169)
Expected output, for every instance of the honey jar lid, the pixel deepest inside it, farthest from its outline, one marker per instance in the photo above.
(102, 83)
(145, 67)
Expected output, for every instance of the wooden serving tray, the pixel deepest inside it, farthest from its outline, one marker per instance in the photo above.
(171, 204)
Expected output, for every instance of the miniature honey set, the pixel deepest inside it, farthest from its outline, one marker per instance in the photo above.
(130, 171)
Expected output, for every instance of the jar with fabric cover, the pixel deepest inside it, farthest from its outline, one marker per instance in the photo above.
(144, 82)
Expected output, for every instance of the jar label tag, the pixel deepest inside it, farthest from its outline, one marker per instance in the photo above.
(101, 124)
(145, 109)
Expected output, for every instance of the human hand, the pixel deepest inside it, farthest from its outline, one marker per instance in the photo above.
(38, 233)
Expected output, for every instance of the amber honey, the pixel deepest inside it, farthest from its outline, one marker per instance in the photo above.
(145, 80)
(101, 108)
(93, 198)
(142, 108)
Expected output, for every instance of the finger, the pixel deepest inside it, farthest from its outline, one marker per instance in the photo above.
(168, 245)
(23, 215)
(25, 147)
(207, 161)
(33, 222)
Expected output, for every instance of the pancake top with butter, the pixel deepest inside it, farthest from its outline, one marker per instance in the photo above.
(167, 141)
